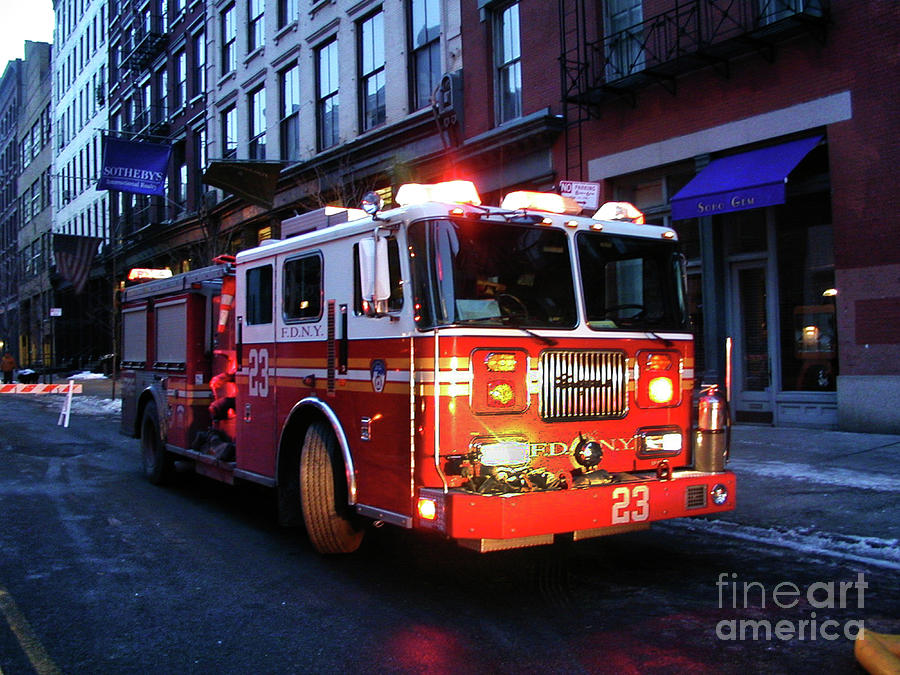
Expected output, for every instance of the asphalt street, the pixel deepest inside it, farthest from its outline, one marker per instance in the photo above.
(101, 572)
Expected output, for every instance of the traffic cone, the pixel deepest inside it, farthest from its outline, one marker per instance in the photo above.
(878, 653)
(226, 301)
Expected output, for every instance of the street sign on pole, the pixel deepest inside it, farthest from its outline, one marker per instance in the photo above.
(586, 194)
(56, 311)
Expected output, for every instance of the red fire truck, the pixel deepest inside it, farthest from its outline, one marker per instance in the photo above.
(499, 375)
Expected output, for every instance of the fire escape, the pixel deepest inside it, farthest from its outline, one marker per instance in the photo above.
(145, 42)
(693, 34)
(145, 116)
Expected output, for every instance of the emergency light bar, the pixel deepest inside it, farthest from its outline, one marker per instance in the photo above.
(540, 201)
(452, 191)
(145, 274)
(620, 211)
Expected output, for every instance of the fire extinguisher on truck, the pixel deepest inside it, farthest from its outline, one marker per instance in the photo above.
(502, 376)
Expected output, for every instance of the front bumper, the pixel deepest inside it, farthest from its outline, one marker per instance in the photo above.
(632, 503)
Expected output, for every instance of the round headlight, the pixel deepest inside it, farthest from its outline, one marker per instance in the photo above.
(588, 453)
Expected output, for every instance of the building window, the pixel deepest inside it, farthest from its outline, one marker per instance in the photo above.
(46, 188)
(624, 37)
(425, 41)
(180, 97)
(198, 162)
(113, 68)
(181, 188)
(507, 51)
(287, 12)
(229, 35)
(36, 198)
(45, 117)
(290, 113)
(199, 64)
(162, 89)
(327, 95)
(26, 151)
(149, 22)
(37, 256)
(257, 118)
(145, 106)
(203, 148)
(371, 76)
(229, 132)
(806, 285)
(773, 12)
(256, 27)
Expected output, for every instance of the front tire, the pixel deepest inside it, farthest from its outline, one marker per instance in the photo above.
(157, 463)
(323, 494)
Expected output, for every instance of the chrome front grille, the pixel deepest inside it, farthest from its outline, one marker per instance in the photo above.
(583, 384)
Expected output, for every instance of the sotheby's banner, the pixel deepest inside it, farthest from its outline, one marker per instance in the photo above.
(134, 166)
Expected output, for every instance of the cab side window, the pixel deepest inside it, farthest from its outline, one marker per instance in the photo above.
(259, 295)
(303, 288)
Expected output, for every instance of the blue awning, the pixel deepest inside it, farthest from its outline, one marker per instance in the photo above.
(747, 181)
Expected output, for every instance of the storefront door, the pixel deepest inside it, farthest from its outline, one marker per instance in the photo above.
(753, 328)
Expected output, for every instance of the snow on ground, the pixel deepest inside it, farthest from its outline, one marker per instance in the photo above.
(85, 375)
(82, 404)
(86, 404)
(820, 475)
(94, 405)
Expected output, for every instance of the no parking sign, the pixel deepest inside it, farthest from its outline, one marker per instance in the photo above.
(586, 194)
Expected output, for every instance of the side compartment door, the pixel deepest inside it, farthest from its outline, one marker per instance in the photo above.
(134, 360)
(254, 313)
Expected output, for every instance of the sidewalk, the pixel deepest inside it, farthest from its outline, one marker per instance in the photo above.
(815, 481)
(827, 449)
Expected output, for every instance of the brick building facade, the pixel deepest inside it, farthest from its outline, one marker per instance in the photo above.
(675, 106)
(805, 285)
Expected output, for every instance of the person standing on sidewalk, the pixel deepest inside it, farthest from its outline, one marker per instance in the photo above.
(7, 365)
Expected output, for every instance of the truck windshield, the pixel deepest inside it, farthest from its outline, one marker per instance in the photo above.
(491, 274)
(631, 283)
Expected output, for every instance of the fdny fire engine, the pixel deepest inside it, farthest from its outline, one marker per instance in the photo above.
(499, 375)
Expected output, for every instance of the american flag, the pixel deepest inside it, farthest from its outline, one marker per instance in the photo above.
(74, 255)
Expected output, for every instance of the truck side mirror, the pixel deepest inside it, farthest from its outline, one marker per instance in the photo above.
(374, 275)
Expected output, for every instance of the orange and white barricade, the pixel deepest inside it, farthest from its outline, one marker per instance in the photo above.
(40, 388)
